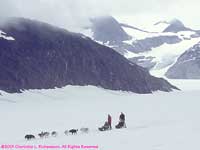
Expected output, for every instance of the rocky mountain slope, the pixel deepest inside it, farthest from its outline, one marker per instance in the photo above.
(187, 65)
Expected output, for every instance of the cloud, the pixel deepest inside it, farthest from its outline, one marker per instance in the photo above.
(74, 13)
(70, 14)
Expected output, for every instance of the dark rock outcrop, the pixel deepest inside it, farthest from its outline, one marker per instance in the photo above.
(43, 57)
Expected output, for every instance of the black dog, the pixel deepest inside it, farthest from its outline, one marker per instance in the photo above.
(73, 131)
(54, 133)
(41, 135)
(44, 134)
(29, 137)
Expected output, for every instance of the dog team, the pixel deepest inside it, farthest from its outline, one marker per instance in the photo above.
(54, 133)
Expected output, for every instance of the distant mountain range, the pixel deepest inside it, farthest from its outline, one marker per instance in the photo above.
(156, 49)
(36, 55)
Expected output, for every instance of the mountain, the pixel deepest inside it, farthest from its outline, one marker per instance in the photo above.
(187, 65)
(155, 48)
(107, 29)
(176, 26)
(149, 40)
(42, 56)
(123, 37)
(161, 33)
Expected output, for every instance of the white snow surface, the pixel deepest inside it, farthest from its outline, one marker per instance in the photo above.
(130, 54)
(159, 121)
(4, 36)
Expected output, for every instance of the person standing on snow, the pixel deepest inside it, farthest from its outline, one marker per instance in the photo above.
(121, 123)
(110, 121)
(122, 118)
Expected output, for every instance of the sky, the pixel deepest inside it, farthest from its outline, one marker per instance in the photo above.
(72, 14)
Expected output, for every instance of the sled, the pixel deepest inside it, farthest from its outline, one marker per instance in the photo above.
(120, 125)
(103, 129)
